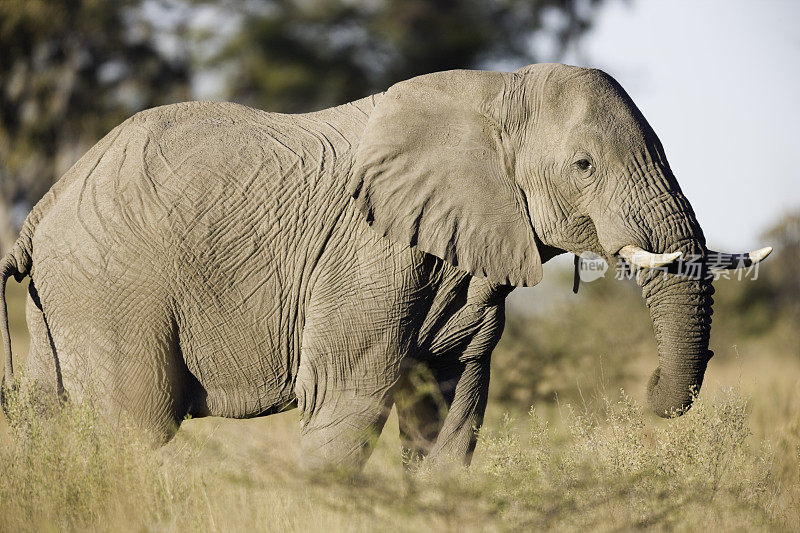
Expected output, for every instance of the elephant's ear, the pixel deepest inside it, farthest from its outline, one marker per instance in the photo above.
(435, 170)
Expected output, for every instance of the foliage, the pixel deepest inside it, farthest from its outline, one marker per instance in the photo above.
(619, 470)
(65, 470)
(775, 294)
(293, 55)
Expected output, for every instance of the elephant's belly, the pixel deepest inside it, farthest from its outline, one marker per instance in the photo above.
(243, 366)
(237, 388)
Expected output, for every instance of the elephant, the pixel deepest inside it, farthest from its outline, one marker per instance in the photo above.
(210, 259)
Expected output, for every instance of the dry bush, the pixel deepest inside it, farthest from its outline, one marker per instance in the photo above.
(618, 468)
(64, 469)
(622, 469)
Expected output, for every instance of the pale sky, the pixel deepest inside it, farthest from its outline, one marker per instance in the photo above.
(719, 81)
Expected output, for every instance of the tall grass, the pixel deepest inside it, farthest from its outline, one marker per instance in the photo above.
(616, 468)
(64, 469)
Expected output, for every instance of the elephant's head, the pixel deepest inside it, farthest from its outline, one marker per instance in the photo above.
(498, 172)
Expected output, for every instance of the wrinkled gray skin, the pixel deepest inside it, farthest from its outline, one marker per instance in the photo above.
(211, 259)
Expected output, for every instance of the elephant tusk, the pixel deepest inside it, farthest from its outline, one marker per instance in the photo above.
(644, 259)
(723, 261)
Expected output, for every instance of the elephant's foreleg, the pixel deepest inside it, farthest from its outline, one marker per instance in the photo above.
(344, 395)
(342, 431)
(459, 433)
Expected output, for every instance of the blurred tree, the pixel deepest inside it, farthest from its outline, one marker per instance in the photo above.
(299, 55)
(775, 294)
(785, 237)
(70, 70)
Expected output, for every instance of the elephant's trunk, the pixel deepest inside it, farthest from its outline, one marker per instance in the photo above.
(681, 309)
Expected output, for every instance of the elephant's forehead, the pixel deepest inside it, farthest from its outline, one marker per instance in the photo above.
(586, 118)
(584, 95)
(608, 130)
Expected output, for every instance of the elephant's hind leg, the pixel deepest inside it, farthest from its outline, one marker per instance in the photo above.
(127, 364)
(42, 369)
(39, 385)
(149, 382)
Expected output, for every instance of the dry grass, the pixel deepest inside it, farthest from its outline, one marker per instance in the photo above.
(618, 468)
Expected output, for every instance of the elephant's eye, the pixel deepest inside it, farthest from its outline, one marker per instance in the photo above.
(583, 165)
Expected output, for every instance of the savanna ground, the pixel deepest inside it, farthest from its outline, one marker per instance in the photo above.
(586, 455)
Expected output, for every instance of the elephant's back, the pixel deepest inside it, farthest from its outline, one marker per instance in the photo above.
(187, 178)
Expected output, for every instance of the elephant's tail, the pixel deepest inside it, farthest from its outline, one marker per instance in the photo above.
(7, 269)
(17, 262)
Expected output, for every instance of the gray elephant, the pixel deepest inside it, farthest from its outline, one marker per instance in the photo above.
(211, 259)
